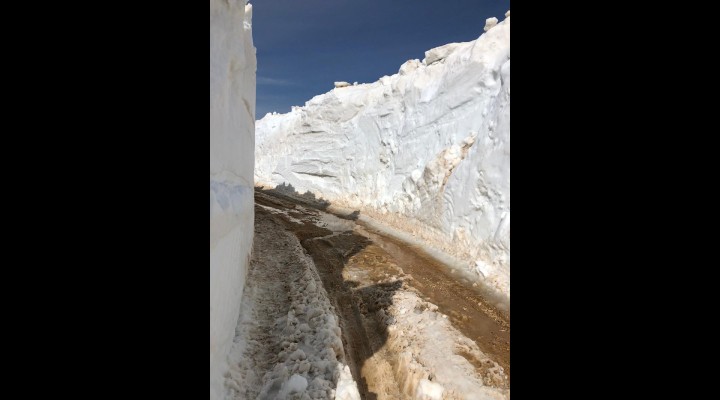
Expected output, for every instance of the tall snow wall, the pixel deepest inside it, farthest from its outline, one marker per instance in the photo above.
(232, 139)
(425, 151)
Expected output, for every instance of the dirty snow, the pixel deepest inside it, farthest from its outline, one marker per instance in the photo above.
(287, 342)
(434, 358)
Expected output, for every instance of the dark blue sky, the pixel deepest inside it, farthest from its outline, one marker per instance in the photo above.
(303, 46)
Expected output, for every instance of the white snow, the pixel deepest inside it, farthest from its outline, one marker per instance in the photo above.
(426, 151)
(346, 386)
(232, 111)
(296, 384)
(490, 23)
(429, 390)
(341, 84)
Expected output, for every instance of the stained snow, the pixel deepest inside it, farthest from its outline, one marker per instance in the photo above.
(287, 342)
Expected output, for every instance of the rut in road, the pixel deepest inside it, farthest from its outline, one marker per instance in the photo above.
(362, 337)
(392, 354)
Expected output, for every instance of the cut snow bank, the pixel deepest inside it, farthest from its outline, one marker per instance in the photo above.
(232, 111)
(426, 151)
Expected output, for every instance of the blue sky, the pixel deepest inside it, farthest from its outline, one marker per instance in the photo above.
(303, 46)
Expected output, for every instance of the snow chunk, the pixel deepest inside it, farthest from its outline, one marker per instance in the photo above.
(346, 386)
(507, 14)
(482, 268)
(341, 84)
(490, 23)
(440, 53)
(415, 175)
(427, 390)
(409, 66)
(296, 384)
(297, 355)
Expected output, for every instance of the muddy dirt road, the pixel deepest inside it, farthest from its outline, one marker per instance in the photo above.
(410, 327)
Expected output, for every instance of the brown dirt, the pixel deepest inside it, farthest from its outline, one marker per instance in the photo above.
(468, 311)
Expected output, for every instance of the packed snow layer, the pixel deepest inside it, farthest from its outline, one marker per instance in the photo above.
(426, 151)
(288, 343)
(232, 125)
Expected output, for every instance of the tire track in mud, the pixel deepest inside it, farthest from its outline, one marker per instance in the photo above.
(330, 252)
(363, 335)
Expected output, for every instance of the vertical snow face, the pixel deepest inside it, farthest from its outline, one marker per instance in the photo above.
(426, 150)
(232, 139)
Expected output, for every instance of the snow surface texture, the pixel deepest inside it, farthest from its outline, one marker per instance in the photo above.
(303, 352)
(310, 364)
(232, 111)
(426, 151)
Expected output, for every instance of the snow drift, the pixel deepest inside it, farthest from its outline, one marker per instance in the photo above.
(232, 111)
(426, 151)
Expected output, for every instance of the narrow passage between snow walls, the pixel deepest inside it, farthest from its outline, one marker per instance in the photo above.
(375, 261)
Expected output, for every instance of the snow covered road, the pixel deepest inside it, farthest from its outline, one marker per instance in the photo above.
(333, 309)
